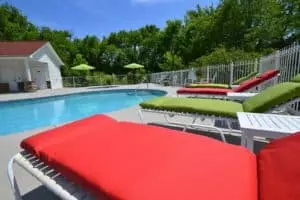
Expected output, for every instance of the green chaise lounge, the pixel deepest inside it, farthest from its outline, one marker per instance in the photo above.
(278, 96)
(208, 85)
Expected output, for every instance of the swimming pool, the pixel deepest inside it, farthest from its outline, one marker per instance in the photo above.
(22, 115)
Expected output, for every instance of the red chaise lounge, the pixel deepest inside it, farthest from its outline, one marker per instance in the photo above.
(243, 87)
(129, 161)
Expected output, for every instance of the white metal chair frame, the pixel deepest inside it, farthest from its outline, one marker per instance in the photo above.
(294, 108)
(281, 109)
(169, 114)
(51, 179)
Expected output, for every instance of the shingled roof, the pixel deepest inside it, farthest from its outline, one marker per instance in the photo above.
(19, 48)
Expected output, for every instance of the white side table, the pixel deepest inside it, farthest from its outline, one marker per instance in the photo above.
(240, 96)
(266, 125)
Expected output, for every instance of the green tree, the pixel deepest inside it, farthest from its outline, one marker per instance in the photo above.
(198, 37)
(13, 25)
(222, 33)
(291, 13)
(79, 59)
(171, 62)
(221, 55)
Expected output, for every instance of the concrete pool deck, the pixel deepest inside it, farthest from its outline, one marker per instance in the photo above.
(30, 187)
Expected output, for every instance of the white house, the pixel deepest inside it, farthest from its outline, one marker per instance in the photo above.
(22, 61)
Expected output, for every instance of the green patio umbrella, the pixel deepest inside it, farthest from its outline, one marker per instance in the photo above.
(133, 66)
(83, 67)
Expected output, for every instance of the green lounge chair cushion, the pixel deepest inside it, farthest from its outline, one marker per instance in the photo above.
(296, 79)
(207, 85)
(249, 76)
(271, 97)
(193, 105)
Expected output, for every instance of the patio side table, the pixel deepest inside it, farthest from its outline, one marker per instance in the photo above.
(266, 125)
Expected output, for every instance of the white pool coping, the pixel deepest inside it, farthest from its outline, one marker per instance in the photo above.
(69, 91)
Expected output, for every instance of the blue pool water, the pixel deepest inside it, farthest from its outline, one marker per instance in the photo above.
(24, 115)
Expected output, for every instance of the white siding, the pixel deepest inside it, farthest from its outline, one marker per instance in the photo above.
(45, 55)
(12, 71)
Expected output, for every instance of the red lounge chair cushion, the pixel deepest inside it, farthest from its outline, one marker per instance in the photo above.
(36, 143)
(268, 74)
(208, 91)
(248, 84)
(142, 162)
(279, 169)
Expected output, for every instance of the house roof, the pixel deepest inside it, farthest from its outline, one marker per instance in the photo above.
(20, 48)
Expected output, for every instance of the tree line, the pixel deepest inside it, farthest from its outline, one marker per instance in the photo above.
(231, 30)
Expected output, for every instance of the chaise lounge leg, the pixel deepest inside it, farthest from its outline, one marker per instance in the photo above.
(12, 180)
(141, 116)
(166, 116)
(193, 123)
(194, 120)
(229, 126)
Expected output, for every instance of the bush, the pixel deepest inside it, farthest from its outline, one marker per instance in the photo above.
(130, 77)
(107, 79)
(140, 75)
(120, 80)
(124, 80)
(97, 79)
(94, 80)
(68, 82)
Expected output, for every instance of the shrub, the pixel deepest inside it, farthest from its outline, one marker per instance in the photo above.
(94, 80)
(107, 79)
(120, 80)
(140, 75)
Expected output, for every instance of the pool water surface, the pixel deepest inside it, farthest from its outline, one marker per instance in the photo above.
(18, 116)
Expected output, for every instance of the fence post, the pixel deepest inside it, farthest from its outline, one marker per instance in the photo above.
(231, 73)
(171, 75)
(256, 66)
(192, 75)
(74, 82)
(277, 60)
(180, 78)
(260, 66)
(148, 79)
(207, 74)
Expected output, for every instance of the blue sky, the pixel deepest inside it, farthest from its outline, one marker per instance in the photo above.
(100, 17)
